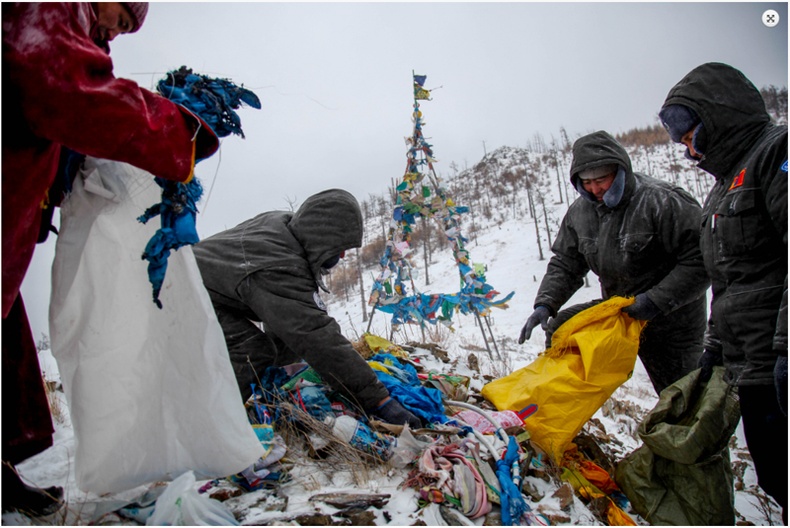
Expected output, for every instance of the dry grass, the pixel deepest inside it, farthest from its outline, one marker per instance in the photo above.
(495, 363)
(766, 507)
(362, 348)
(54, 401)
(438, 334)
(301, 431)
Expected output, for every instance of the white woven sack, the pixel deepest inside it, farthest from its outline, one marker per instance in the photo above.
(151, 392)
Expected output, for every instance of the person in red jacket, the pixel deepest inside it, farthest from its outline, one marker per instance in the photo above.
(59, 91)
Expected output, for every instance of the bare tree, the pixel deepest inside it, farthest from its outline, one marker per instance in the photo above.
(291, 203)
(545, 216)
(566, 142)
(344, 282)
(540, 144)
(384, 213)
(537, 229)
(556, 162)
(647, 157)
(369, 207)
(43, 343)
(775, 102)
(703, 182)
(361, 286)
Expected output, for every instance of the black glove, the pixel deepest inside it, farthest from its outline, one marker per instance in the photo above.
(706, 362)
(392, 412)
(780, 380)
(643, 308)
(540, 315)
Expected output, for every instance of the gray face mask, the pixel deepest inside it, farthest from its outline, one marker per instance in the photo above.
(613, 196)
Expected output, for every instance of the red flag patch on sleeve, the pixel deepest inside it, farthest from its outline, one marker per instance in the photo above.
(738, 180)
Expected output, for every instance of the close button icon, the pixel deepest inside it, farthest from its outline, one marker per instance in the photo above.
(770, 18)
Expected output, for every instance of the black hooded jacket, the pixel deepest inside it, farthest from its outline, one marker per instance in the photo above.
(648, 242)
(642, 238)
(269, 269)
(744, 222)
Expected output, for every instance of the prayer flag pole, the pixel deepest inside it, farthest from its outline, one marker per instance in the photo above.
(420, 193)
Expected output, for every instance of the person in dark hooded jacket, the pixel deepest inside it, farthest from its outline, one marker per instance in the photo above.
(640, 236)
(721, 117)
(59, 93)
(268, 269)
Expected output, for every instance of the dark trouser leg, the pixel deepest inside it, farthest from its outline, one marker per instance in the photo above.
(765, 428)
(671, 345)
(27, 425)
(251, 350)
(664, 366)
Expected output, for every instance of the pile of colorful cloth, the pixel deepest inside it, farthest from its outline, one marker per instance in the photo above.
(470, 460)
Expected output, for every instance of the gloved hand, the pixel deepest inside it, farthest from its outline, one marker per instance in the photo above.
(540, 315)
(391, 411)
(780, 381)
(643, 308)
(707, 361)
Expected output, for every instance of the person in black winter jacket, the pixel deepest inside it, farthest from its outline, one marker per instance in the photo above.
(640, 236)
(721, 118)
(268, 270)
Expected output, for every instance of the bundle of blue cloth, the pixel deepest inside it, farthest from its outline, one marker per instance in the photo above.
(215, 101)
(403, 384)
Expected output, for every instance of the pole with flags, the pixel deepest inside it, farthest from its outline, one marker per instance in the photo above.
(420, 193)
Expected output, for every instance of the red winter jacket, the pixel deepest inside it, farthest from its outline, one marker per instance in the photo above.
(59, 89)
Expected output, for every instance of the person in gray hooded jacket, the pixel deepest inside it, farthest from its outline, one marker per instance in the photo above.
(268, 270)
(640, 236)
(721, 118)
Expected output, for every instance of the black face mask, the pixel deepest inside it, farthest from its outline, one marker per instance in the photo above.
(331, 262)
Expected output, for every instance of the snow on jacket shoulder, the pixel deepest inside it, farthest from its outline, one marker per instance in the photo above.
(59, 89)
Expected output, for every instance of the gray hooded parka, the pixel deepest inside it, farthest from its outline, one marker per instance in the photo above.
(268, 269)
(644, 238)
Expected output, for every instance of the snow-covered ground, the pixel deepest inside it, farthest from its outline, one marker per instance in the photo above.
(507, 246)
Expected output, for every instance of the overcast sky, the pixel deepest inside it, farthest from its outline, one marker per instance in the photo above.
(335, 83)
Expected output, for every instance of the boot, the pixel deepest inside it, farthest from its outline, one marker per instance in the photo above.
(34, 502)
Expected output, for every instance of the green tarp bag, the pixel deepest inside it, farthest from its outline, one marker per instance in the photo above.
(682, 475)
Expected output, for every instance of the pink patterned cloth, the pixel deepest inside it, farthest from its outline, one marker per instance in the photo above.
(505, 418)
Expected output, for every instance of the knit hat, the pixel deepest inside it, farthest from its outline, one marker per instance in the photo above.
(678, 119)
(138, 10)
(598, 172)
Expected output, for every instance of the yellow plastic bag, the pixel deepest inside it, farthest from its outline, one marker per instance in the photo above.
(591, 354)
